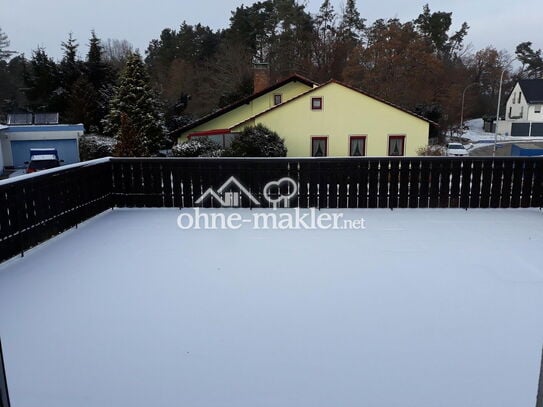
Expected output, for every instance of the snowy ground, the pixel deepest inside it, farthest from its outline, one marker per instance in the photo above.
(423, 308)
(476, 134)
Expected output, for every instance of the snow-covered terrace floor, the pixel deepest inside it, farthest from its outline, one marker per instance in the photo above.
(423, 308)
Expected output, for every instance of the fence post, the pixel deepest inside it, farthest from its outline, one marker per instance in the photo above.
(539, 402)
(4, 395)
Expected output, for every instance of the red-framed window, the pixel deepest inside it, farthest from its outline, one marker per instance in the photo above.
(317, 103)
(277, 99)
(222, 137)
(357, 146)
(319, 146)
(396, 145)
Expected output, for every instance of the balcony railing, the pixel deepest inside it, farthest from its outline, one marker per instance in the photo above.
(37, 207)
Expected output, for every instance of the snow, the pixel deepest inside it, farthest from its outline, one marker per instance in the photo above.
(423, 308)
(476, 134)
(19, 175)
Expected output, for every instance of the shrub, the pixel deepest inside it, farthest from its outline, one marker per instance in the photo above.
(197, 147)
(257, 141)
(92, 146)
(434, 150)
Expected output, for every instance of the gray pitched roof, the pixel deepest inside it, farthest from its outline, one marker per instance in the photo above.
(532, 90)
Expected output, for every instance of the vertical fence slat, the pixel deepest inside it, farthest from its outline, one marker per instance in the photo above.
(539, 398)
(363, 184)
(507, 182)
(435, 175)
(527, 184)
(394, 179)
(537, 195)
(465, 183)
(4, 394)
(424, 191)
(414, 184)
(456, 167)
(475, 192)
(486, 184)
(384, 182)
(405, 175)
(445, 184)
(518, 170)
(497, 180)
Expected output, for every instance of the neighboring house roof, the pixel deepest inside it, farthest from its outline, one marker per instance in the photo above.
(247, 100)
(316, 89)
(532, 90)
(31, 128)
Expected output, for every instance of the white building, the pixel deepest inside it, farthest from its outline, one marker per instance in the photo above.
(16, 140)
(523, 112)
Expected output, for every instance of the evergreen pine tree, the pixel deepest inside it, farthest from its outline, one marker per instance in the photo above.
(4, 44)
(351, 25)
(42, 81)
(97, 70)
(143, 130)
(71, 69)
(98, 80)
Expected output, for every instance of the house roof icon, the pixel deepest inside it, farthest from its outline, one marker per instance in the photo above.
(221, 195)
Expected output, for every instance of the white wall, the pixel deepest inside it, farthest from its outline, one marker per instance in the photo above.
(518, 112)
(53, 132)
(514, 108)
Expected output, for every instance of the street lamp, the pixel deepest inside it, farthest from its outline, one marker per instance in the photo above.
(462, 110)
(498, 108)
(498, 112)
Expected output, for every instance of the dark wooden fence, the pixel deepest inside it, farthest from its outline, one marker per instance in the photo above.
(539, 399)
(426, 182)
(34, 209)
(4, 394)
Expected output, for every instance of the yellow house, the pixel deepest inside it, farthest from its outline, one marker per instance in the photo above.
(332, 119)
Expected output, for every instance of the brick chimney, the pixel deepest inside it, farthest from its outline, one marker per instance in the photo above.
(261, 76)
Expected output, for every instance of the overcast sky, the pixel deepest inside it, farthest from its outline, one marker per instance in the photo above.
(29, 23)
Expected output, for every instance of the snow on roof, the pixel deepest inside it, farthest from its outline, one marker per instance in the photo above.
(40, 157)
(442, 306)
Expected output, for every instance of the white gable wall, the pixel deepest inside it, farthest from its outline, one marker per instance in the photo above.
(517, 110)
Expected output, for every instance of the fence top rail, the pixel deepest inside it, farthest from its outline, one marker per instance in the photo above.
(317, 159)
(52, 171)
(208, 160)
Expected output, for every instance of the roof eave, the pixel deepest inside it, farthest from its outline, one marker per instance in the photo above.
(244, 101)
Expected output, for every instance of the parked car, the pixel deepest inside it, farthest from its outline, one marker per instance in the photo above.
(42, 162)
(42, 159)
(456, 150)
